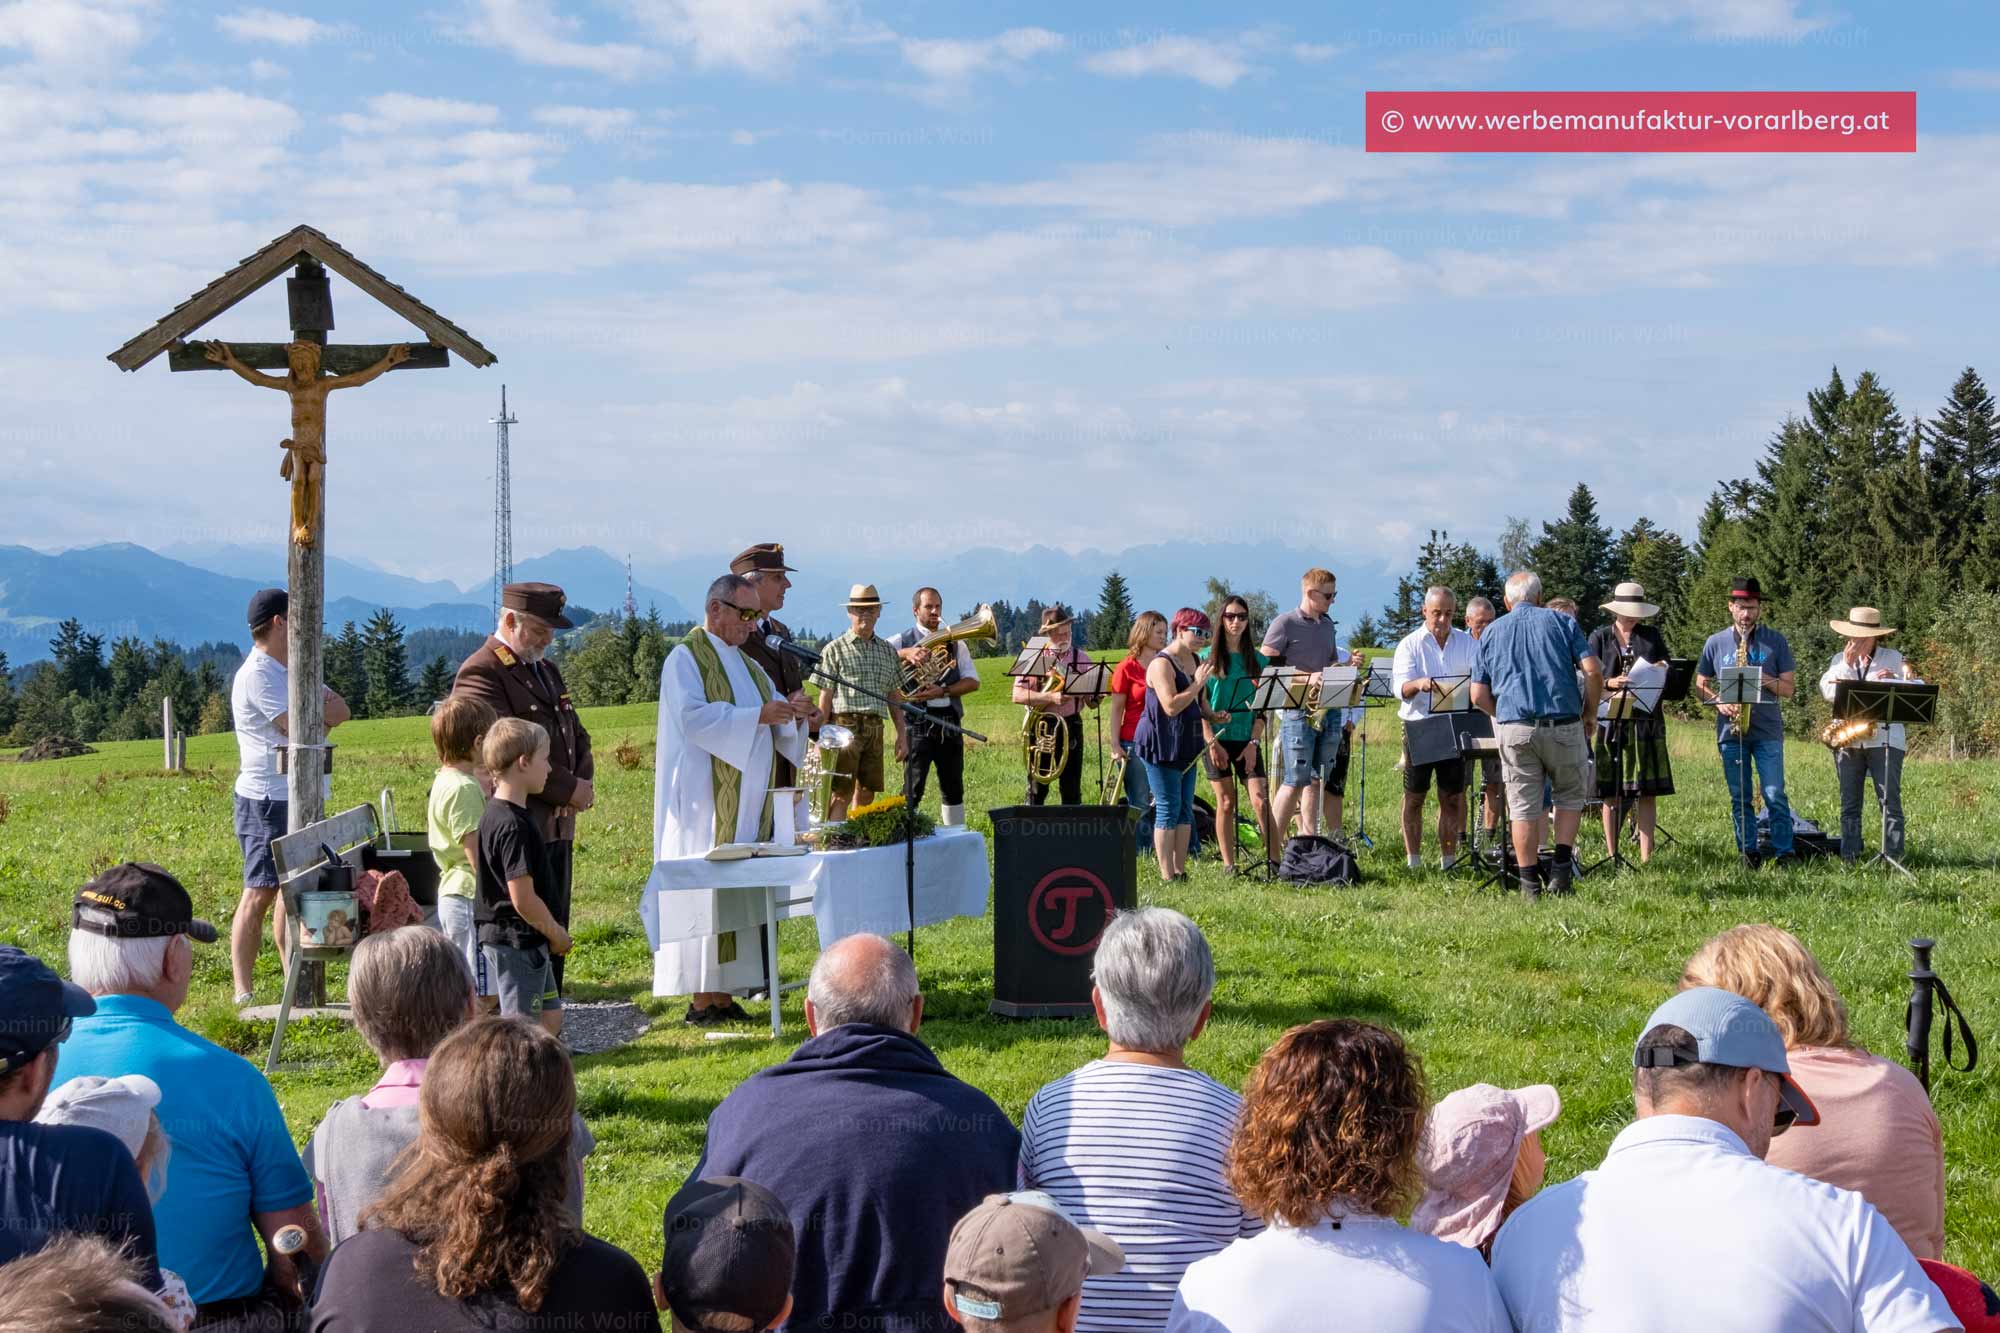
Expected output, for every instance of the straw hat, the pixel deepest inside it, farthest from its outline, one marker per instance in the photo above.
(862, 595)
(1629, 599)
(1863, 622)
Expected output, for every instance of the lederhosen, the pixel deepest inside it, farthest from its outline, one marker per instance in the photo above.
(932, 745)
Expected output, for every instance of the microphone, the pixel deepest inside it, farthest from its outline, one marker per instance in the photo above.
(778, 643)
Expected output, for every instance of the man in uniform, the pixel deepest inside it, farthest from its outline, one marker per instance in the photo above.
(764, 565)
(929, 745)
(509, 674)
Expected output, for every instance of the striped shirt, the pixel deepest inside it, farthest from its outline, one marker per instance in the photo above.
(1137, 1151)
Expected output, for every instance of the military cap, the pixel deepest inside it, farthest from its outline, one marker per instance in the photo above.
(543, 601)
(764, 557)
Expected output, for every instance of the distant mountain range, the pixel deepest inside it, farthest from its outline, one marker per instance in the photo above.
(195, 593)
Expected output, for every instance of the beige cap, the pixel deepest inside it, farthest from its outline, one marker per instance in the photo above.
(1019, 1254)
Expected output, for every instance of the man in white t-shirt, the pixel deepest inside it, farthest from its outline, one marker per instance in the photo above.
(258, 703)
(1685, 1226)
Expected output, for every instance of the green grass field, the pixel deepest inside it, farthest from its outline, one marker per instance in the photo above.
(1486, 987)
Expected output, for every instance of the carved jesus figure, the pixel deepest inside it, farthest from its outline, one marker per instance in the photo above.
(305, 451)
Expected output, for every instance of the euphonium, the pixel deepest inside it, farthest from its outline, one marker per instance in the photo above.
(979, 627)
(1045, 737)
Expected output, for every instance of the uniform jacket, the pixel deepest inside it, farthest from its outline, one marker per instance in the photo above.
(535, 693)
(788, 673)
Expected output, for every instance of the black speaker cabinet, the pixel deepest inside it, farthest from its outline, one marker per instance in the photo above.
(1059, 873)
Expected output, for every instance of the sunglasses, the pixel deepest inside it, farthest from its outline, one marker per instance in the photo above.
(1235, 615)
(746, 614)
(1198, 631)
(1786, 1116)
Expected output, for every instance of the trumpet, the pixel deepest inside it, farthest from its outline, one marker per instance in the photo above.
(1045, 737)
(1114, 781)
(979, 627)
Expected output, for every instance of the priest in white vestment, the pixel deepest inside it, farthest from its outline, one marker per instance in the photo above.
(721, 722)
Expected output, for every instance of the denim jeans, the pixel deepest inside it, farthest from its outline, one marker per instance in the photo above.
(1139, 797)
(1883, 765)
(1767, 758)
(1173, 795)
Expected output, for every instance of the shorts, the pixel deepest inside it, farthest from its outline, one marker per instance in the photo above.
(1450, 774)
(1489, 771)
(1305, 752)
(1532, 753)
(1245, 761)
(458, 919)
(523, 979)
(862, 760)
(258, 823)
(1336, 777)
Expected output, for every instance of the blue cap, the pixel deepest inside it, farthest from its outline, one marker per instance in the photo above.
(1728, 1030)
(35, 1007)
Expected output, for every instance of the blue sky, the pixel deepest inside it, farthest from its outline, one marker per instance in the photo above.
(874, 277)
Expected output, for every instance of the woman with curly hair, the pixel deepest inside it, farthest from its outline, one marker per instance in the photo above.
(1326, 1154)
(474, 1233)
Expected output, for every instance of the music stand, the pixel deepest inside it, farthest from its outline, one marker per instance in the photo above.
(1619, 704)
(1472, 737)
(1278, 689)
(1378, 689)
(1243, 691)
(1742, 686)
(1885, 702)
(1089, 685)
(1673, 690)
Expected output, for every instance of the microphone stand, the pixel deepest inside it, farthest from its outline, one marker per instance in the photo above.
(914, 713)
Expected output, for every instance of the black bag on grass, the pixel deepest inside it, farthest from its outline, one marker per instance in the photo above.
(1309, 859)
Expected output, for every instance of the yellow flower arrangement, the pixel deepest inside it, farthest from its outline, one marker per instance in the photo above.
(877, 806)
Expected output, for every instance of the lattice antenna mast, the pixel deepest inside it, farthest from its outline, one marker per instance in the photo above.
(631, 602)
(503, 504)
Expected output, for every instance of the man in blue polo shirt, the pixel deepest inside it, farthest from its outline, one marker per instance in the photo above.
(1527, 680)
(1761, 738)
(235, 1172)
(57, 1179)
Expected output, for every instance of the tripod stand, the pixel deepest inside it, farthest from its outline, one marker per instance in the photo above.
(1885, 703)
(1617, 736)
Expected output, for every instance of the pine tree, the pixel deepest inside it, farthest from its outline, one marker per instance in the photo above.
(345, 669)
(7, 700)
(1787, 518)
(1441, 562)
(1823, 405)
(435, 682)
(1112, 621)
(383, 657)
(1574, 556)
(1365, 634)
(1963, 468)
(42, 709)
(1656, 558)
(1263, 608)
(1868, 438)
(130, 669)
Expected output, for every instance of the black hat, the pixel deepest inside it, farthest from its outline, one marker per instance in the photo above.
(543, 601)
(36, 1007)
(268, 602)
(729, 1251)
(138, 901)
(1746, 588)
(764, 557)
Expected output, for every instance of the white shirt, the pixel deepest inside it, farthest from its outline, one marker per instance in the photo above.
(1683, 1228)
(1137, 1152)
(1364, 1273)
(257, 697)
(1418, 656)
(1885, 659)
(909, 638)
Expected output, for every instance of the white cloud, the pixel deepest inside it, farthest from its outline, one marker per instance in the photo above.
(534, 33)
(1718, 19)
(592, 122)
(950, 60)
(268, 25)
(758, 36)
(266, 70)
(392, 113)
(1218, 65)
(73, 33)
(1976, 80)
(1313, 53)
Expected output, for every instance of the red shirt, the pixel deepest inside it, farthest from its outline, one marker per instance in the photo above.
(1129, 680)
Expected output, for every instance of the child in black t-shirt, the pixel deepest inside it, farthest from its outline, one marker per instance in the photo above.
(516, 929)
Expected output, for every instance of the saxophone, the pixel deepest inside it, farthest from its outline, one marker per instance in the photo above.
(1741, 721)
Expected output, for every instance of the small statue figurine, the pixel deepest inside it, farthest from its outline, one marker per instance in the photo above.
(305, 451)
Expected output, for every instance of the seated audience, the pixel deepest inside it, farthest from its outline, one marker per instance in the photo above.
(236, 1175)
(123, 1108)
(1482, 1158)
(408, 990)
(875, 1148)
(1880, 1138)
(79, 1284)
(1326, 1155)
(475, 1232)
(727, 1257)
(1136, 1143)
(57, 1180)
(1684, 1226)
(1017, 1264)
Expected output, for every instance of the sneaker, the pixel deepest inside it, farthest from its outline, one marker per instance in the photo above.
(734, 1013)
(243, 997)
(1562, 872)
(1751, 860)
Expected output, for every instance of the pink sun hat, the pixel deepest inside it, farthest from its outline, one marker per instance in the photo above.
(1468, 1152)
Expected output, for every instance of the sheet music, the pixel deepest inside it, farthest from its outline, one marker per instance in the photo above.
(1337, 686)
(1381, 680)
(1454, 700)
(1644, 682)
(1740, 685)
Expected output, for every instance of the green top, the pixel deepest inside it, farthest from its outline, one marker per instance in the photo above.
(455, 806)
(1232, 693)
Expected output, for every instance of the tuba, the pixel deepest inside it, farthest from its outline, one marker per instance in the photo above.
(979, 627)
(1044, 737)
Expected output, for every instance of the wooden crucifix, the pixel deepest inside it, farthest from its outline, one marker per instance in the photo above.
(313, 369)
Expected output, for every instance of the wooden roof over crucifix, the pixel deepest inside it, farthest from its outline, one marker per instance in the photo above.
(271, 262)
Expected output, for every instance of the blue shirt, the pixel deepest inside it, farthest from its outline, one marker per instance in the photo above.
(1528, 658)
(232, 1155)
(71, 1179)
(1768, 650)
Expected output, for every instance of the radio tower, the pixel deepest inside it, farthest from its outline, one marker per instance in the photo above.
(503, 504)
(631, 603)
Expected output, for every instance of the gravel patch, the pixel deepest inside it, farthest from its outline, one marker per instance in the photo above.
(592, 1029)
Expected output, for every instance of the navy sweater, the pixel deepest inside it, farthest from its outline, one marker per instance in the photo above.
(876, 1151)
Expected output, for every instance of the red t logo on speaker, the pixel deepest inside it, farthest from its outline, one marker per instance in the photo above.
(1056, 901)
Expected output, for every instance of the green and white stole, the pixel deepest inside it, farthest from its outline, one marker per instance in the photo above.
(724, 779)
